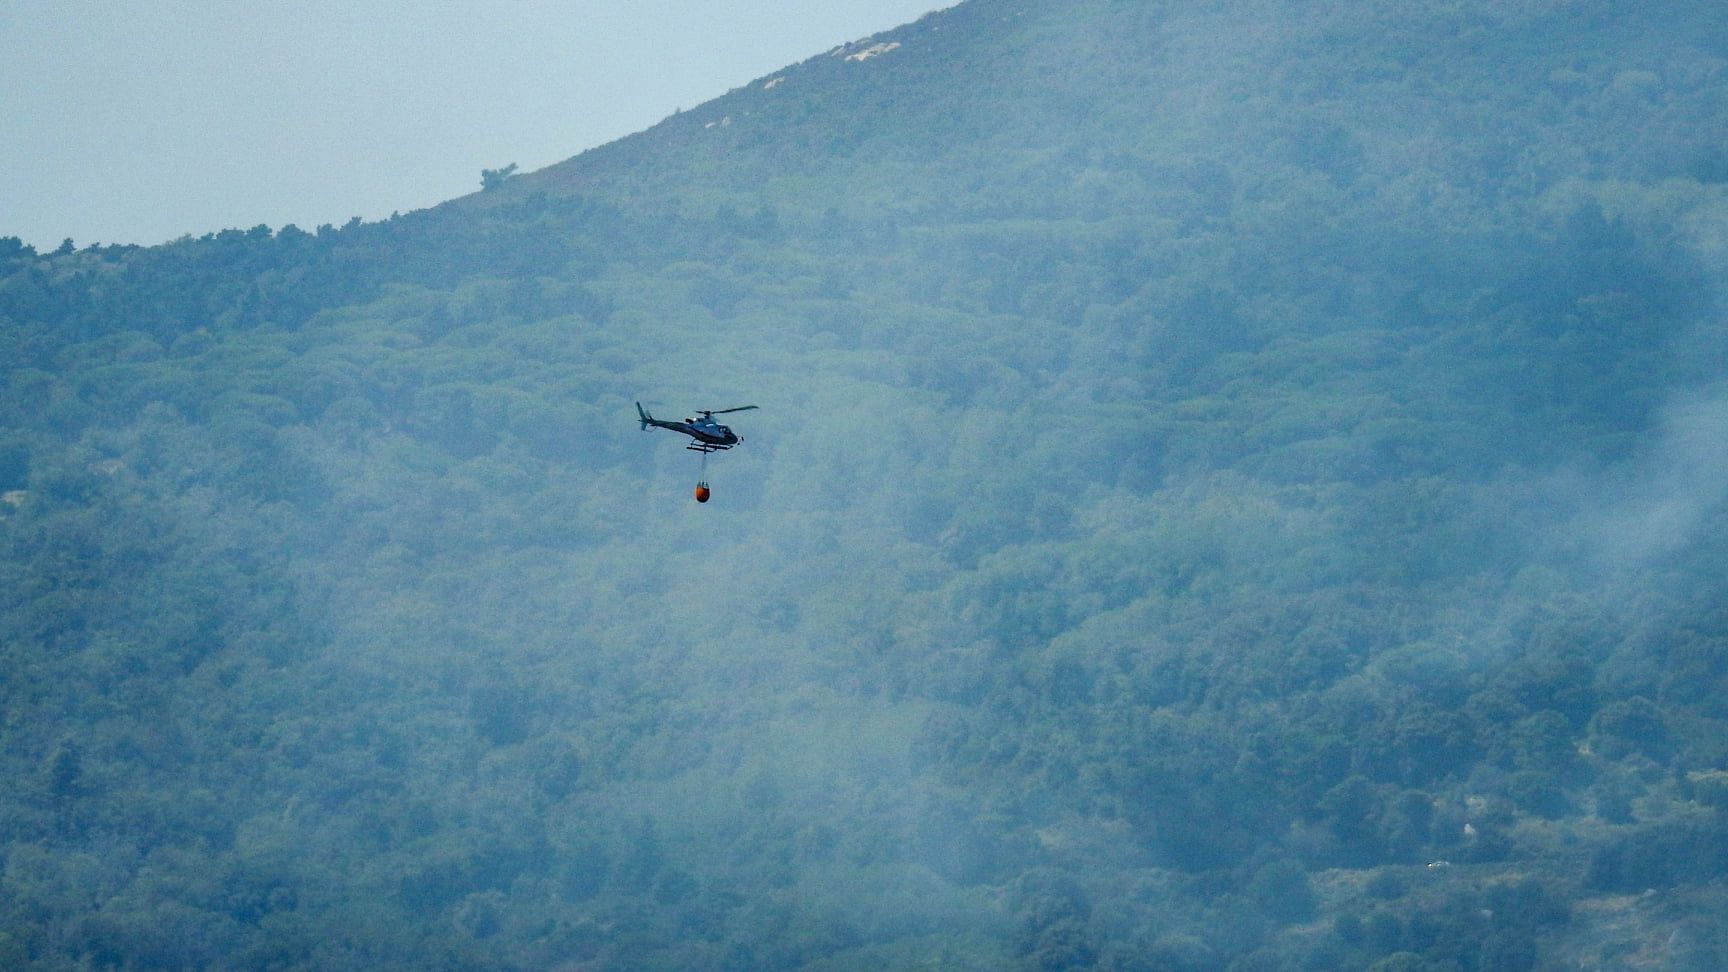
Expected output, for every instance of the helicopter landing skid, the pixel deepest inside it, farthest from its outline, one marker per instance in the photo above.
(705, 448)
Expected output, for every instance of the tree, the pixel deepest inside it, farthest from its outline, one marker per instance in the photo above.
(493, 178)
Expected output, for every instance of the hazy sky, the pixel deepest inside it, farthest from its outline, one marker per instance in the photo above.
(136, 121)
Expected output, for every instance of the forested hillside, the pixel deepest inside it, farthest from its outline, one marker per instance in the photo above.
(1237, 486)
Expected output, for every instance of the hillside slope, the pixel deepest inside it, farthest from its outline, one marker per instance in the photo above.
(1233, 489)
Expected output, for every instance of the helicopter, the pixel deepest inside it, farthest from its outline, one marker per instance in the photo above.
(706, 435)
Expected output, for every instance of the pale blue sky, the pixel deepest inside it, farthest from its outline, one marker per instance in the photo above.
(137, 121)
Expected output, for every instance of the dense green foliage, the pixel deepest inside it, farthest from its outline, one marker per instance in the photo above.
(1238, 486)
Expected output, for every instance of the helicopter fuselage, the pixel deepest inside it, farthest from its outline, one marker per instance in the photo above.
(710, 436)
